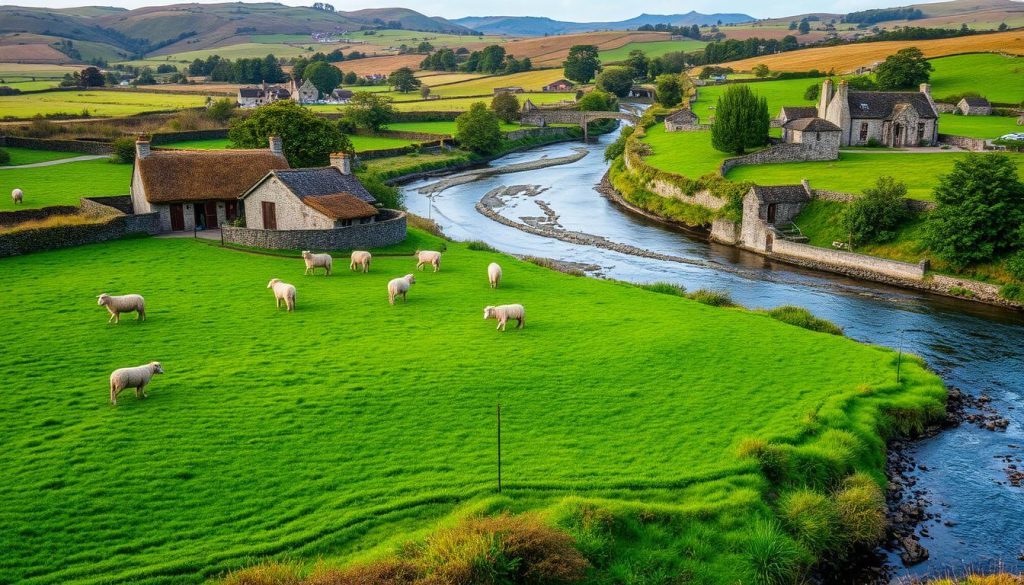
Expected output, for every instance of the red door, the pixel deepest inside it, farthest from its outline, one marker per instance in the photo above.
(177, 217)
(211, 215)
(231, 210)
(269, 215)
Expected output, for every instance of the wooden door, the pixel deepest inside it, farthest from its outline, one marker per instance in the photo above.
(771, 213)
(231, 210)
(177, 217)
(211, 215)
(269, 215)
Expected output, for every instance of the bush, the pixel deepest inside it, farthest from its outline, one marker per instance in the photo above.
(741, 121)
(1015, 265)
(774, 558)
(5, 157)
(803, 318)
(878, 215)
(478, 246)
(388, 196)
(124, 151)
(812, 518)
(874, 143)
(616, 80)
(1012, 292)
(506, 106)
(712, 297)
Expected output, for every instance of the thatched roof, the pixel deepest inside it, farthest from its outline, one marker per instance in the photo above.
(171, 176)
(341, 206)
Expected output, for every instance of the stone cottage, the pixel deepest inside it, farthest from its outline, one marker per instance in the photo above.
(767, 208)
(683, 120)
(560, 86)
(892, 118)
(319, 198)
(974, 106)
(307, 93)
(790, 113)
(814, 134)
(198, 188)
(250, 97)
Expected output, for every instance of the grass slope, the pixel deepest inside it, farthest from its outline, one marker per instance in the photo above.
(987, 127)
(788, 92)
(652, 50)
(350, 422)
(27, 156)
(686, 153)
(1000, 78)
(64, 184)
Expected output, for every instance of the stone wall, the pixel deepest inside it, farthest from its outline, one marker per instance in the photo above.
(536, 132)
(725, 231)
(915, 205)
(783, 153)
(965, 142)
(53, 238)
(122, 203)
(978, 290)
(22, 215)
(848, 262)
(389, 229)
(82, 146)
(663, 188)
(944, 108)
(291, 213)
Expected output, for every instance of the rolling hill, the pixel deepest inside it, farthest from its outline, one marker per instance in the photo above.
(540, 26)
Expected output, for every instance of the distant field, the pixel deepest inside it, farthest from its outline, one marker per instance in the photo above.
(551, 51)
(529, 80)
(383, 65)
(97, 102)
(433, 78)
(789, 92)
(208, 144)
(653, 49)
(999, 78)
(987, 127)
(64, 184)
(27, 156)
(855, 171)
(31, 76)
(452, 104)
(846, 58)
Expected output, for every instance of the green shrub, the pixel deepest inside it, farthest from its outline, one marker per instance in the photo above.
(123, 151)
(1015, 265)
(479, 246)
(772, 458)
(878, 215)
(811, 517)
(665, 288)
(591, 527)
(774, 558)
(388, 196)
(712, 297)
(803, 318)
(861, 508)
(5, 157)
(874, 143)
(1012, 292)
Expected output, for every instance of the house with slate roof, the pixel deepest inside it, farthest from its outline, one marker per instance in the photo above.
(892, 118)
(974, 106)
(317, 198)
(766, 208)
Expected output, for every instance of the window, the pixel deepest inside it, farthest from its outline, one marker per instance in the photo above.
(817, 136)
(920, 131)
(863, 131)
(346, 222)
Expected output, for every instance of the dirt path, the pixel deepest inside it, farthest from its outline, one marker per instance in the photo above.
(60, 161)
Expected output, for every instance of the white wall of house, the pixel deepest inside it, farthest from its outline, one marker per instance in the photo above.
(292, 213)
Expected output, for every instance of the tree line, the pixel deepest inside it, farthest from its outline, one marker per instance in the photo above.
(492, 60)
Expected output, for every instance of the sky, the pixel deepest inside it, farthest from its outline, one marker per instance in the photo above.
(573, 10)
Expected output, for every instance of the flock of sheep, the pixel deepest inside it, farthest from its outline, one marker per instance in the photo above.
(139, 376)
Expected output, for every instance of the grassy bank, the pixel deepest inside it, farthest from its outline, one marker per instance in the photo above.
(64, 184)
(345, 429)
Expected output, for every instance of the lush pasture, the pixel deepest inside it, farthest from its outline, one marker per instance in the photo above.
(987, 127)
(789, 92)
(26, 156)
(454, 104)
(63, 184)
(685, 153)
(29, 77)
(529, 80)
(349, 423)
(96, 102)
(434, 78)
(652, 50)
(999, 78)
(855, 171)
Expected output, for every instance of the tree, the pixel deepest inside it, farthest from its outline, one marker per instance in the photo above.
(812, 92)
(877, 216)
(906, 69)
(506, 106)
(323, 75)
(741, 121)
(145, 77)
(668, 90)
(478, 130)
(424, 91)
(805, 27)
(221, 110)
(351, 78)
(92, 77)
(403, 80)
(760, 70)
(616, 80)
(637, 62)
(597, 101)
(980, 207)
(370, 111)
(582, 64)
(308, 139)
(1002, 26)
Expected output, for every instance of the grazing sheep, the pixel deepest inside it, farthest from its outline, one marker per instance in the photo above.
(314, 261)
(424, 257)
(505, 312)
(136, 377)
(123, 304)
(360, 259)
(283, 292)
(400, 286)
(18, 196)
(494, 274)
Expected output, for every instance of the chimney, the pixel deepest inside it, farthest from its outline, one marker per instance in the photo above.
(807, 186)
(276, 146)
(340, 161)
(844, 90)
(926, 89)
(141, 148)
(824, 98)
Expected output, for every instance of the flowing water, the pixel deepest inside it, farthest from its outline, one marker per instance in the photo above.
(975, 347)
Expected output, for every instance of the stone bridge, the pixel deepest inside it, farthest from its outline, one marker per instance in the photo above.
(543, 117)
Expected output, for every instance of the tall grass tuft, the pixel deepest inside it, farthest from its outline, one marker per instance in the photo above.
(813, 519)
(665, 288)
(383, 572)
(774, 558)
(713, 298)
(803, 318)
(773, 458)
(479, 246)
(53, 221)
(861, 508)
(265, 574)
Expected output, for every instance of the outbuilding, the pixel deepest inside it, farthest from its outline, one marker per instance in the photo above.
(560, 86)
(683, 120)
(974, 106)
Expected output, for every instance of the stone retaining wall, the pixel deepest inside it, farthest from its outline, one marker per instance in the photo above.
(389, 229)
(981, 291)
(82, 146)
(536, 132)
(776, 154)
(663, 188)
(849, 262)
(965, 142)
(915, 205)
(53, 238)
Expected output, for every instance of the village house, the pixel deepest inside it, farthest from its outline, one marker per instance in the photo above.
(769, 209)
(641, 92)
(683, 120)
(198, 189)
(309, 199)
(974, 106)
(307, 93)
(815, 135)
(250, 97)
(790, 113)
(342, 95)
(560, 86)
(890, 118)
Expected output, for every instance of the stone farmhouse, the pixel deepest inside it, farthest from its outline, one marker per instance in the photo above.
(893, 119)
(198, 189)
(250, 97)
(306, 93)
(319, 198)
(814, 134)
(974, 106)
(683, 120)
(560, 86)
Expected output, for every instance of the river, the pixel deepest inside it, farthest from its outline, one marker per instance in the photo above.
(974, 347)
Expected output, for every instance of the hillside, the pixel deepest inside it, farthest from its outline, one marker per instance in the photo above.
(539, 26)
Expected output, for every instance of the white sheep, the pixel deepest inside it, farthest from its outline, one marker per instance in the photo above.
(505, 312)
(136, 377)
(494, 274)
(424, 257)
(314, 261)
(283, 292)
(122, 304)
(400, 286)
(18, 196)
(360, 259)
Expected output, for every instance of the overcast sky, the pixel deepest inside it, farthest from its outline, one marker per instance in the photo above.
(574, 10)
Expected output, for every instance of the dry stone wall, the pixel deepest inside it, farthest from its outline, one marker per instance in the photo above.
(389, 229)
(82, 146)
(965, 142)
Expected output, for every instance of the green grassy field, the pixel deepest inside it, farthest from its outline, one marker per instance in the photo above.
(96, 102)
(441, 127)
(350, 425)
(999, 78)
(26, 156)
(64, 184)
(453, 104)
(789, 92)
(652, 49)
(529, 80)
(987, 127)
(855, 171)
(685, 153)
